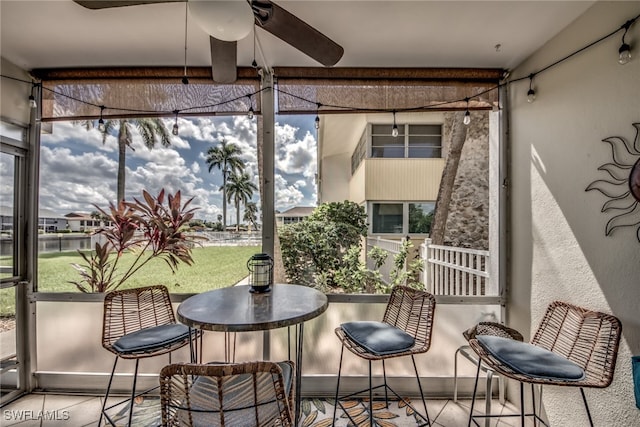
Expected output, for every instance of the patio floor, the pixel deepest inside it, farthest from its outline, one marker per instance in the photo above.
(43, 410)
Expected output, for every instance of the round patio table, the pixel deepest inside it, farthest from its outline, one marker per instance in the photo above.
(235, 309)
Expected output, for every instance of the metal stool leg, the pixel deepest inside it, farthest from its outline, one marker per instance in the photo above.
(522, 404)
(487, 398)
(335, 408)
(586, 406)
(106, 396)
(473, 397)
(133, 393)
(455, 374)
(424, 402)
(370, 398)
(386, 394)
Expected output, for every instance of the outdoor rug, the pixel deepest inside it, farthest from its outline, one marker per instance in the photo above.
(314, 413)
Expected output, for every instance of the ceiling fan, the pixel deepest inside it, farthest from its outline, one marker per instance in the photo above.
(235, 15)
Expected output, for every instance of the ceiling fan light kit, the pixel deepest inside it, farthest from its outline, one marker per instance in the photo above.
(224, 20)
(227, 21)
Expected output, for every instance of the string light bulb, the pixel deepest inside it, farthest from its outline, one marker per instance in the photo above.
(175, 129)
(531, 94)
(317, 120)
(467, 115)
(101, 126)
(394, 129)
(624, 53)
(32, 99)
(250, 113)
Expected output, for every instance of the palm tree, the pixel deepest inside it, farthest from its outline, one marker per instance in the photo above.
(251, 213)
(240, 188)
(227, 158)
(152, 131)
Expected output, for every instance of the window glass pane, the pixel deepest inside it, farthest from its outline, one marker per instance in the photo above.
(387, 218)
(425, 146)
(387, 146)
(7, 178)
(425, 129)
(420, 217)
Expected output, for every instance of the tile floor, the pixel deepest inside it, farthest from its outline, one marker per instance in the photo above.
(49, 410)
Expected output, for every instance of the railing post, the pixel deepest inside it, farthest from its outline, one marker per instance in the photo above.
(427, 272)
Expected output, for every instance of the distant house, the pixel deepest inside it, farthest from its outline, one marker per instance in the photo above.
(80, 221)
(293, 215)
(48, 220)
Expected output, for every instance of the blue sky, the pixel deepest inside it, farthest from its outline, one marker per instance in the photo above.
(78, 170)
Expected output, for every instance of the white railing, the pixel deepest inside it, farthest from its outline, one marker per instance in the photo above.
(447, 270)
(457, 271)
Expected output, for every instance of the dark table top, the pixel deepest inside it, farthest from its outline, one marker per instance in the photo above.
(235, 309)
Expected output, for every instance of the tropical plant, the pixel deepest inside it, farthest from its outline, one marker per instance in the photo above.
(152, 131)
(240, 188)
(251, 214)
(318, 244)
(225, 157)
(151, 228)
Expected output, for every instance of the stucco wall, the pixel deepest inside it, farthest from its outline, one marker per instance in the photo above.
(559, 250)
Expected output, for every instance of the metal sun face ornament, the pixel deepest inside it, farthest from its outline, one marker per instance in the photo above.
(260, 268)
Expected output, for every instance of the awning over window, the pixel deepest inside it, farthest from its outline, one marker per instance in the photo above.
(335, 90)
(144, 92)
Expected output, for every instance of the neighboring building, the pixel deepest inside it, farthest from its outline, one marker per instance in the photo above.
(293, 215)
(48, 220)
(397, 179)
(80, 221)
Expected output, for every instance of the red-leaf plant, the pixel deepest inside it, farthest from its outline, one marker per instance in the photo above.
(148, 229)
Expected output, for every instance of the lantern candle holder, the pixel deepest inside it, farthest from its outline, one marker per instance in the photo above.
(260, 268)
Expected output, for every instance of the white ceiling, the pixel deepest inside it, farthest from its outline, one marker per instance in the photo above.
(60, 33)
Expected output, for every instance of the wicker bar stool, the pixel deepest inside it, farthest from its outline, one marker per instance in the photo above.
(483, 328)
(250, 394)
(405, 330)
(572, 347)
(139, 323)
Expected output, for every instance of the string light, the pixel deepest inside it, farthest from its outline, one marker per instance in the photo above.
(624, 53)
(32, 99)
(254, 63)
(250, 113)
(531, 94)
(394, 129)
(467, 114)
(317, 120)
(175, 129)
(185, 79)
(101, 126)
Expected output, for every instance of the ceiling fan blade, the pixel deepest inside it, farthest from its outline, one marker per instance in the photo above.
(223, 60)
(107, 4)
(296, 32)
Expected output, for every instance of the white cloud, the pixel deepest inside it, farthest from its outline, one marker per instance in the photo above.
(79, 170)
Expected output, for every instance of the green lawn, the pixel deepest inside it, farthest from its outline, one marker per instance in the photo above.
(214, 267)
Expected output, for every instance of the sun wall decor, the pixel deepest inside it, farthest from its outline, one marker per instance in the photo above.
(622, 185)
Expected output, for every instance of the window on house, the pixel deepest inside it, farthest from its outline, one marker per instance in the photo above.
(413, 141)
(401, 218)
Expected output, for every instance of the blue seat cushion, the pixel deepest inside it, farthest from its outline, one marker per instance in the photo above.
(151, 339)
(378, 338)
(531, 360)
